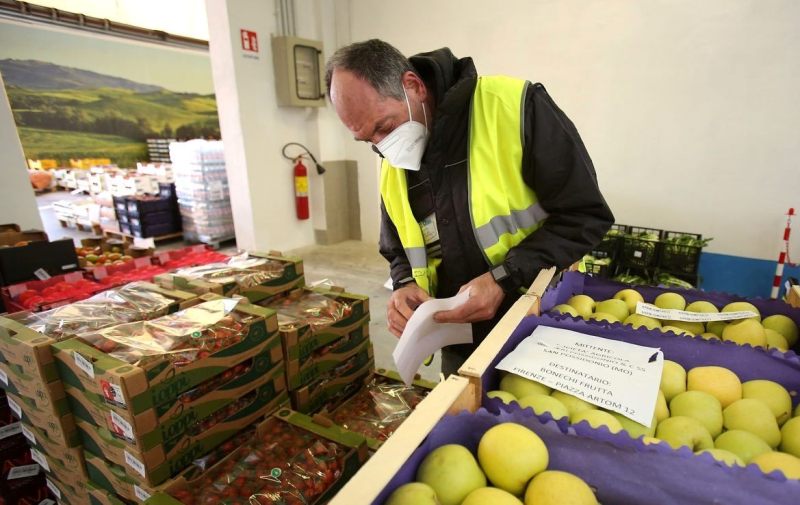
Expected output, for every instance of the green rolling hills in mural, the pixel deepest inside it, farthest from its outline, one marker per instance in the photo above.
(64, 113)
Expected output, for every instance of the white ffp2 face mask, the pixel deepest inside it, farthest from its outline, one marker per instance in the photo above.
(405, 145)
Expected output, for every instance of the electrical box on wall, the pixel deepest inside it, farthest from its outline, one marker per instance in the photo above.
(298, 72)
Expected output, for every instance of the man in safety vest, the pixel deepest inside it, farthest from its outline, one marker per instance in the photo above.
(484, 180)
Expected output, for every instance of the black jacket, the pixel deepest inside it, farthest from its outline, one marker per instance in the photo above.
(554, 163)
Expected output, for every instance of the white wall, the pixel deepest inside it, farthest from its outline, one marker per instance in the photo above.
(17, 202)
(689, 109)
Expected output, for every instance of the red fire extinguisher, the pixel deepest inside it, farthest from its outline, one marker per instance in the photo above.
(301, 189)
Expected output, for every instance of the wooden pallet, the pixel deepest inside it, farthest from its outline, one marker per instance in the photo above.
(89, 228)
(129, 238)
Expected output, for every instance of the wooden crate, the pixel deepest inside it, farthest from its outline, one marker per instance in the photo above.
(457, 393)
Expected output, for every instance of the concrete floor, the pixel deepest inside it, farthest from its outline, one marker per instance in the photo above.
(359, 268)
(354, 265)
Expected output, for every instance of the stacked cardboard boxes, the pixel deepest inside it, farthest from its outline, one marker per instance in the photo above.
(325, 336)
(151, 397)
(36, 394)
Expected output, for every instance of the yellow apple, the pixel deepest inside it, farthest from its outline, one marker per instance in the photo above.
(631, 297)
(565, 309)
(710, 336)
(634, 429)
(573, 403)
(413, 493)
(682, 431)
(702, 307)
(717, 381)
(716, 327)
(787, 464)
(783, 325)
(754, 416)
(662, 411)
(676, 330)
(693, 328)
(742, 443)
(638, 320)
(603, 316)
(504, 396)
(583, 304)
(775, 340)
(597, 418)
(670, 301)
(554, 487)
(520, 386)
(492, 495)
(747, 331)
(723, 456)
(617, 308)
(511, 454)
(701, 406)
(673, 379)
(543, 403)
(742, 306)
(451, 470)
(790, 437)
(773, 395)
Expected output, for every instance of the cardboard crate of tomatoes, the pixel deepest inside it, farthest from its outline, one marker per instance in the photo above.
(378, 408)
(137, 269)
(255, 276)
(139, 366)
(290, 459)
(191, 256)
(50, 293)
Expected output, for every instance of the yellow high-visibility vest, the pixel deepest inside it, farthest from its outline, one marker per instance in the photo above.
(504, 210)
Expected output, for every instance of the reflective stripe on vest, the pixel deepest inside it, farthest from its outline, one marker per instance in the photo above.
(503, 209)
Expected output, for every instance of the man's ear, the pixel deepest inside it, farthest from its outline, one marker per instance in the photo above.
(412, 82)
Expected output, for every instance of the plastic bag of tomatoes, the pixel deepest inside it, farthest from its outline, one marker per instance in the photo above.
(245, 271)
(132, 302)
(282, 464)
(379, 408)
(183, 337)
(315, 309)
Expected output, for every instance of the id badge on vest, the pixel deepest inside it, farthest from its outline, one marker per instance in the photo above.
(430, 234)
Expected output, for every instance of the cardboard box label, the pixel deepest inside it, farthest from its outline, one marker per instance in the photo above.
(121, 426)
(4, 377)
(134, 463)
(20, 472)
(10, 430)
(83, 363)
(27, 434)
(52, 487)
(113, 393)
(15, 407)
(39, 458)
(140, 493)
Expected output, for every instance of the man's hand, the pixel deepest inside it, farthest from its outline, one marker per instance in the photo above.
(485, 297)
(402, 304)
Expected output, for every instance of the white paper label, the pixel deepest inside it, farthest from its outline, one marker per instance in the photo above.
(650, 310)
(27, 434)
(41, 274)
(10, 430)
(614, 375)
(15, 408)
(20, 472)
(637, 254)
(4, 377)
(134, 463)
(121, 426)
(83, 363)
(52, 487)
(140, 493)
(144, 243)
(39, 458)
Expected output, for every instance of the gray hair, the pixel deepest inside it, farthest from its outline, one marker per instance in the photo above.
(375, 61)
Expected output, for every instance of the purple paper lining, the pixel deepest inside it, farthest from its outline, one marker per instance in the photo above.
(622, 472)
(573, 283)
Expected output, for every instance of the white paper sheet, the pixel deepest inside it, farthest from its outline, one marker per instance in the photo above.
(423, 336)
(650, 310)
(614, 375)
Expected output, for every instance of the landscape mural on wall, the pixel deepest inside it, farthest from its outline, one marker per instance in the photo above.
(79, 95)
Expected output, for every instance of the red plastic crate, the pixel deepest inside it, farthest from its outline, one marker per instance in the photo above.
(188, 257)
(24, 296)
(139, 269)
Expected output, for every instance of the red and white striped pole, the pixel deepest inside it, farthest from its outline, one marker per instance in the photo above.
(783, 257)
